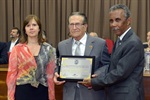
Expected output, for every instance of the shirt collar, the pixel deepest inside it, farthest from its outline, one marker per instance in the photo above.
(82, 40)
(121, 37)
(15, 40)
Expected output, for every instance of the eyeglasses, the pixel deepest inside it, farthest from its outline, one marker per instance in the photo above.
(78, 25)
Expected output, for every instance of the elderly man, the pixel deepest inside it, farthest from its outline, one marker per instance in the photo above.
(89, 46)
(124, 75)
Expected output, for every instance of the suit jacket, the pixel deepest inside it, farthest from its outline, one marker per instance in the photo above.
(9, 43)
(3, 53)
(94, 47)
(124, 76)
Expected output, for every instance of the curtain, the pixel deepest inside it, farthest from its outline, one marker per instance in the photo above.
(54, 14)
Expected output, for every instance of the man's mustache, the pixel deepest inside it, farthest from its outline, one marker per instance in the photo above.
(115, 28)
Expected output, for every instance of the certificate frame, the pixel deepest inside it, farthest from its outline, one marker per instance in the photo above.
(76, 68)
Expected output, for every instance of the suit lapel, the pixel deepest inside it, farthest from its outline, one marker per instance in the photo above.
(89, 46)
(68, 46)
(17, 42)
(128, 34)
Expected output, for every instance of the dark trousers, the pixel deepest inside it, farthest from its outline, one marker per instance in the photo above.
(28, 92)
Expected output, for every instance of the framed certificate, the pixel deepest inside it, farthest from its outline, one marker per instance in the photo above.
(76, 68)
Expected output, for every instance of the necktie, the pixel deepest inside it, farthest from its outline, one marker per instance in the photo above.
(77, 53)
(118, 42)
(77, 50)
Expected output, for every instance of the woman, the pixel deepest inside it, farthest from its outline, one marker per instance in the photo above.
(31, 65)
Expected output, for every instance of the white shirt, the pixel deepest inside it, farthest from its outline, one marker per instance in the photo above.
(82, 45)
(121, 37)
(12, 45)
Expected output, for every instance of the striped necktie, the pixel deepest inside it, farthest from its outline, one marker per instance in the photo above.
(77, 50)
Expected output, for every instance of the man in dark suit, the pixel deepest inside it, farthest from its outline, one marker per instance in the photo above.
(3, 53)
(124, 75)
(90, 46)
(14, 35)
